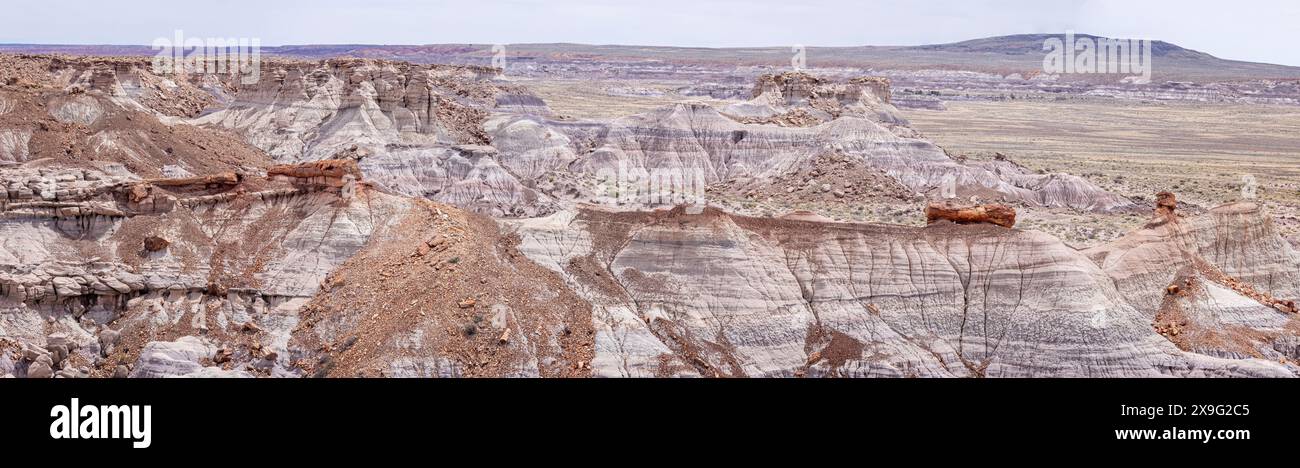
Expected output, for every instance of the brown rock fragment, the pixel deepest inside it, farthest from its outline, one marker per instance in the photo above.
(155, 243)
(140, 192)
(1166, 203)
(223, 356)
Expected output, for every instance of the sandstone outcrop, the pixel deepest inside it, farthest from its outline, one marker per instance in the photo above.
(801, 99)
(340, 175)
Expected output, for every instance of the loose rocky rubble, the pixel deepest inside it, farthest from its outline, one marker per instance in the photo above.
(59, 358)
(792, 118)
(827, 182)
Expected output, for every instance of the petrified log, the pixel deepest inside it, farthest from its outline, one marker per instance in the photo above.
(224, 178)
(330, 168)
(997, 214)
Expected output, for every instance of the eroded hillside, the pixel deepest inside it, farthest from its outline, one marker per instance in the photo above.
(358, 217)
(722, 295)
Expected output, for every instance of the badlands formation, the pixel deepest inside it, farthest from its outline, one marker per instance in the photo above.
(359, 217)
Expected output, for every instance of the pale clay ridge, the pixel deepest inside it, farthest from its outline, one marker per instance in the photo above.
(696, 139)
(309, 111)
(1230, 248)
(940, 301)
(14, 146)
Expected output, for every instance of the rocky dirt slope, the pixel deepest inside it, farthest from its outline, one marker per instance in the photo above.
(441, 293)
(92, 119)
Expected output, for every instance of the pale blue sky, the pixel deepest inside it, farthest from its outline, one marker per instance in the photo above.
(1255, 30)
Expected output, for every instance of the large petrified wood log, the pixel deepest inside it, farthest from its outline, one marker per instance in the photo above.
(998, 214)
(330, 168)
(224, 178)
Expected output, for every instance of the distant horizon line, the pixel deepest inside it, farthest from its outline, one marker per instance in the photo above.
(358, 44)
(372, 44)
